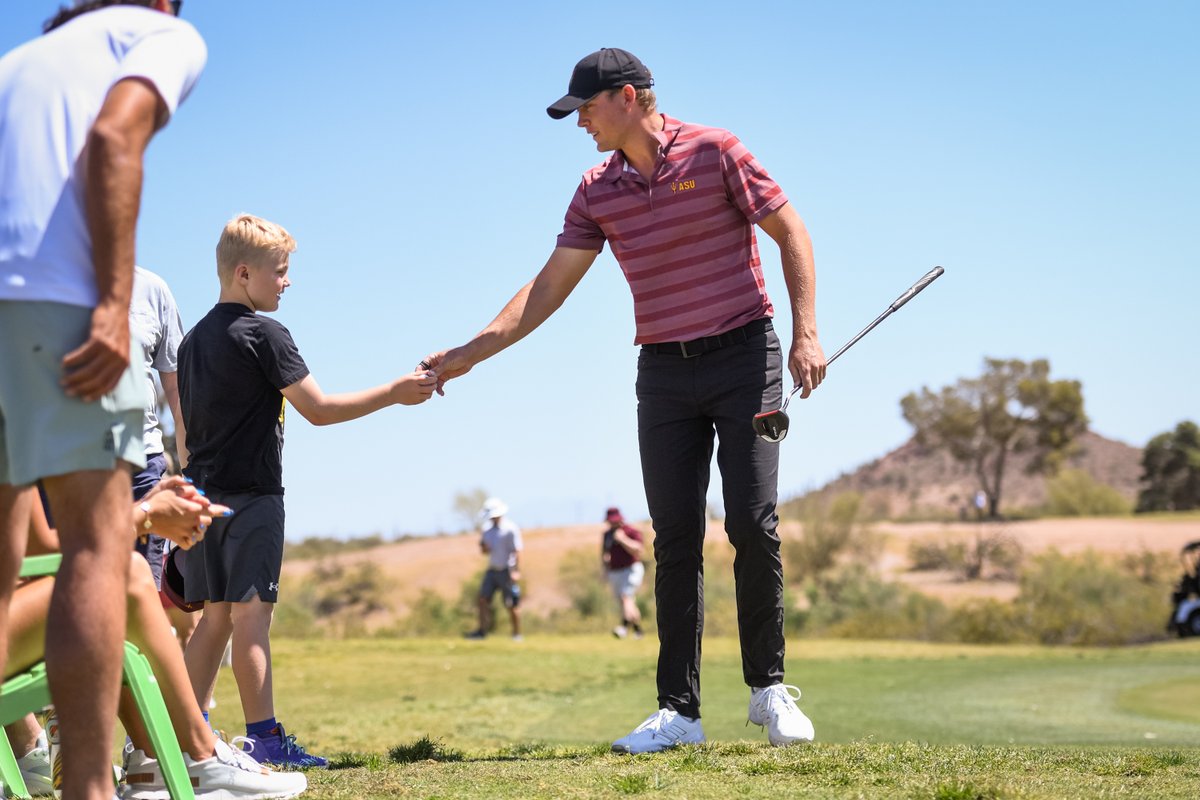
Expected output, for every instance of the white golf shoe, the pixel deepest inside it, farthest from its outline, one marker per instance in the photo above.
(775, 707)
(662, 730)
(230, 774)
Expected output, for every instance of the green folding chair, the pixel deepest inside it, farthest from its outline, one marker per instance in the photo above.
(30, 691)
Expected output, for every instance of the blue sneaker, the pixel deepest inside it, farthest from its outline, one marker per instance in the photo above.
(279, 748)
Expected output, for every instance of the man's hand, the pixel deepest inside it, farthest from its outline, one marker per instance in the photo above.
(447, 365)
(806, 362)
(93, 369)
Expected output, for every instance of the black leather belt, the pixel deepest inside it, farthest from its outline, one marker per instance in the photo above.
(698, 347)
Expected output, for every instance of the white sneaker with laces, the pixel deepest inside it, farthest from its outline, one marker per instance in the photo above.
(662, 730)
(775, 707)
(230, 774)
(35, 768)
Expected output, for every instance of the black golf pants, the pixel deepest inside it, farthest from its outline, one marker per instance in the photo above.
(682, 403)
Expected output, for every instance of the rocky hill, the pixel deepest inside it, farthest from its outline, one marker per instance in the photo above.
(912, 481)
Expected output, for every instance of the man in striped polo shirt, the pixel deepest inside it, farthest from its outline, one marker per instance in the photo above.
(678, 204)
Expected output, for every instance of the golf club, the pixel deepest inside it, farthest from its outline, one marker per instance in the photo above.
(773, 425)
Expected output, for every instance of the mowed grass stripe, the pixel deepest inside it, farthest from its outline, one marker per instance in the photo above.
(369, 695)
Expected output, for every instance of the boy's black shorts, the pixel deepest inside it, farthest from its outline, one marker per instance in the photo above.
(240, 556)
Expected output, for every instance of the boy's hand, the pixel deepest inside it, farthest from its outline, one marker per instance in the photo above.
(414, 388)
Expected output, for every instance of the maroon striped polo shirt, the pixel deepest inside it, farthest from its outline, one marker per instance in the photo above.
(685, 240)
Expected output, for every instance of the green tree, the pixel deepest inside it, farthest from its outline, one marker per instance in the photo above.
(1013, 407)
(467, 505)
(1171, 470)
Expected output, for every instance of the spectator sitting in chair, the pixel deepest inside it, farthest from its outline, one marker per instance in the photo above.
(178, 513)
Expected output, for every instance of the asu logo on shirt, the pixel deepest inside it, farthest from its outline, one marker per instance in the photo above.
(682, 186)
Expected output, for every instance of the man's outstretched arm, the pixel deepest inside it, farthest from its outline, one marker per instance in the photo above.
(528, 309)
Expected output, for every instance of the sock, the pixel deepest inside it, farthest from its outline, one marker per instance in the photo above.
(259, 728)
(637, 628)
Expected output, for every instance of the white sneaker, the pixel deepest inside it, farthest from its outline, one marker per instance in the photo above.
(230, 774)
(662, 730)
(775, 707)
(35, 768)
(620, 631)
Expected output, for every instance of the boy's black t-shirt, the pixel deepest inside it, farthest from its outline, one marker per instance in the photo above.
(232, 366)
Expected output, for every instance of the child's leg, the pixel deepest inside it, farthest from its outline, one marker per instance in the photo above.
(184, 624)
(149, 630)
(205, 648)
(26, 633)
(15, 504)
(252, 658)
(23, 735)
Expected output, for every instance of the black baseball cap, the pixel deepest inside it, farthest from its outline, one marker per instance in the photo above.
(607, 68)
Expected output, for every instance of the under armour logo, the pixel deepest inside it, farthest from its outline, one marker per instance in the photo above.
(274, 587)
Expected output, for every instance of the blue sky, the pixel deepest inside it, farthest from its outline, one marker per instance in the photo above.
(1044, 153)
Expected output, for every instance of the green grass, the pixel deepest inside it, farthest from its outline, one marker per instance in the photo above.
(441, 718)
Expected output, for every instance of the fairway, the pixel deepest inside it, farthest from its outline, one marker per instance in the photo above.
(500, 718)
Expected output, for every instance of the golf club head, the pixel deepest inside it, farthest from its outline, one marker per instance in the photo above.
(771, 426)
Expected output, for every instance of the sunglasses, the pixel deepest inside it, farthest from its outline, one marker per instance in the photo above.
(175, 6)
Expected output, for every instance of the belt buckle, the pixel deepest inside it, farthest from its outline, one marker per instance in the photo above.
(683, 348)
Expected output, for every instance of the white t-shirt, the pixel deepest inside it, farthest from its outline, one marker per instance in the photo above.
(503, 541)
(51, 91)
(154, 322)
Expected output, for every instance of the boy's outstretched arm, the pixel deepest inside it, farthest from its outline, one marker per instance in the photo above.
(327, 409)
(528, 309)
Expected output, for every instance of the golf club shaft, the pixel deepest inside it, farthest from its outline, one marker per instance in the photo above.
(912, 292)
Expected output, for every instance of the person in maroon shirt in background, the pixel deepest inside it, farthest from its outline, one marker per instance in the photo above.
(621, 553)
(678, 203)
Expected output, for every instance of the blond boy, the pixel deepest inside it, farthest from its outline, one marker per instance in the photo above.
(236, 369)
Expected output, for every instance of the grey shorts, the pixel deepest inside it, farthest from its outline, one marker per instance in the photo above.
(240, 556)
(625, 582)
(500, 580)
(42, 431)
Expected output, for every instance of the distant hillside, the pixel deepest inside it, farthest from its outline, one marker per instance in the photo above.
(912, 481)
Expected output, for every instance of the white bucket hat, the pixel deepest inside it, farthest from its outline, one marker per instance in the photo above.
(493, 507)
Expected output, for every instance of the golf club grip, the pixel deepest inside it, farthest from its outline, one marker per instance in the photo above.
(916, 288)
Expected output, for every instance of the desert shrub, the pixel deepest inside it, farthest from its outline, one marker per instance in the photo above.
(851, 601)
(581, 576)
(989, 553)
(1075, 493)
(1090, 600)
(834, 529)
(720, 595)
(985, 621)
(333, 600)
(293, 619)
(325, 546)
(934, 554)
(433, 615)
